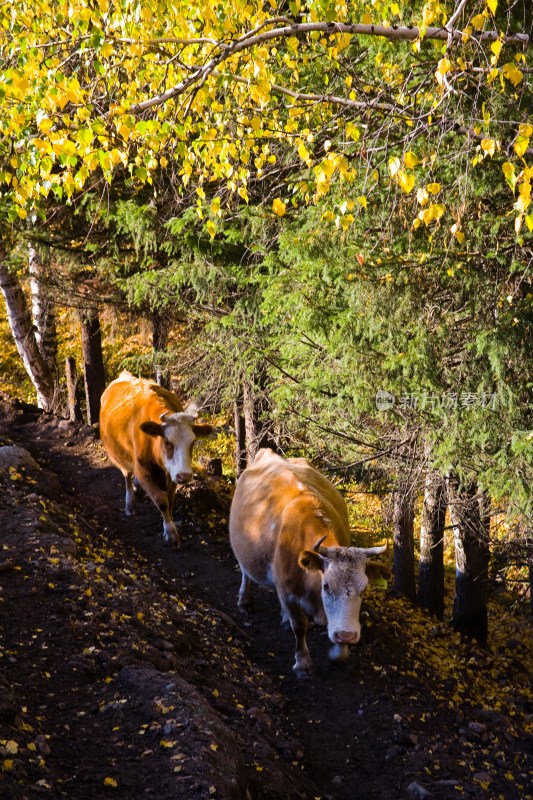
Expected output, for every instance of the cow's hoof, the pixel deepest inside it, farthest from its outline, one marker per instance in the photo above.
(339, 653)
(246, 607)
(172, 536)
(303, 673)
(303, 668)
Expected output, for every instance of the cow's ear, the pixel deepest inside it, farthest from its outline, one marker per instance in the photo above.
(152, 428)
(309, 559)
(375, 571)
(201, 430)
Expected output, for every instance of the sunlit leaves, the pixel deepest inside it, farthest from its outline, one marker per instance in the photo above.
(433, 212)
(79, 97)
(488, 146)
(522, 140)
(278, 207)
(512, 73)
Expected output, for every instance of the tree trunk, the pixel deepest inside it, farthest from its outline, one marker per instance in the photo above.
(469, 519)
(431, 567)
(74, 406)
(42, 310)
(160, 327)
(240, 438)
(255, 407)
(93, 363)
(23, 331)
(404, 552)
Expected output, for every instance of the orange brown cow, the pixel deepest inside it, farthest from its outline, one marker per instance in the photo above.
(149, 436)
(289, 530)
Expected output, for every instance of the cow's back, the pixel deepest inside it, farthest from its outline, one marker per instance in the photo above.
(127, 403)
(264, 493)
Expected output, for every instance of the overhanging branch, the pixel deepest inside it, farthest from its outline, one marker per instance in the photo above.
(393, 33)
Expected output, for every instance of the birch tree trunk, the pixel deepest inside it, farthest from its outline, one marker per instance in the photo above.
(42, 309)
(23, 330)
(431, 567)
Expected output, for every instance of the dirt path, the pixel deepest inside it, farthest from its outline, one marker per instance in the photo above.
(377, 728)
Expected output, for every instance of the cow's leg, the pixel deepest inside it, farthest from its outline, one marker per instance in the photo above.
(160, 500)
(130, 495)
(292, 611)
(171, 497)
(245, 592)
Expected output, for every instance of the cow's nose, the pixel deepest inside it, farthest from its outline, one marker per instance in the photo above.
(183, 477)
(347, 637)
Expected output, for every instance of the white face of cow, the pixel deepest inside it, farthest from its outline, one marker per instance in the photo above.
(178, 439)
(345, 575)
(177, 432)
(343, 582)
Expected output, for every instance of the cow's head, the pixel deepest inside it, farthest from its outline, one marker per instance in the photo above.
(345, 573)
(178, 432)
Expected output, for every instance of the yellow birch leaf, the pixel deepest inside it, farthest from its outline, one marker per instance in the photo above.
(211, 229)
(278, 207)
(489, 146)
(434, 188)
(529, 222)
(410, 159)
(215, 206)
(496, 47)
(422, 196)
(304, 153)
(394, 165)
(492, 5)
(520, 146)
(406, 181)
(362, 200)
(110, 782)
(366, 19)
(478, 21)
(512, 73)
(508, 170)
(346, 221)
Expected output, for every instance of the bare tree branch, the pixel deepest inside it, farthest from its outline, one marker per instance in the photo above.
(248, 41)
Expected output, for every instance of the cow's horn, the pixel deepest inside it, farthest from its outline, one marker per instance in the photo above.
(373, 551)
(163, 417)
(323, 551)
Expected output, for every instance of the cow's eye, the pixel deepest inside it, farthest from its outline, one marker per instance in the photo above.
(326, 587)
(169, 447)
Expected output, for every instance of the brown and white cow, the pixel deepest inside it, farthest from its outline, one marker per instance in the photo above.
(149, 436)
(289, 530)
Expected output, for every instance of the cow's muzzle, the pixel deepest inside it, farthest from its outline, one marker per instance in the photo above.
(183, 477)
(346, 637)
